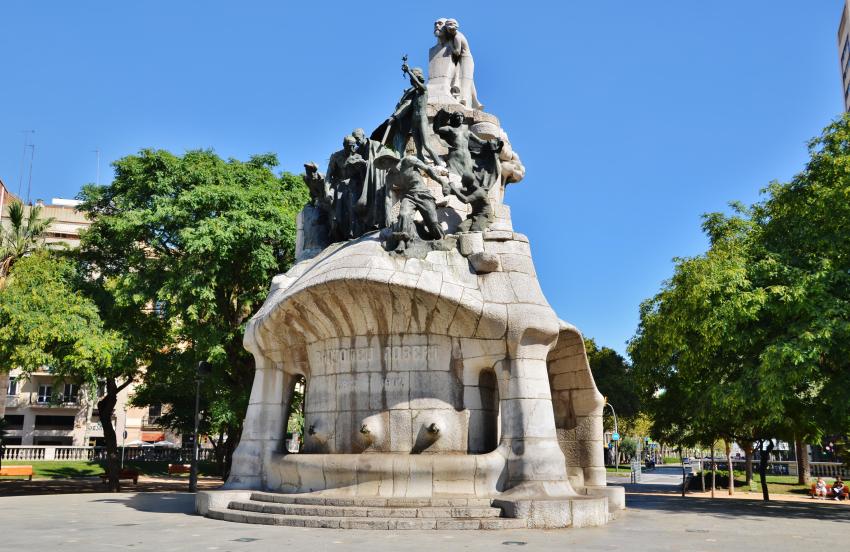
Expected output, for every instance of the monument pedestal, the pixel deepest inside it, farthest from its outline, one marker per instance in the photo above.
(425, 380)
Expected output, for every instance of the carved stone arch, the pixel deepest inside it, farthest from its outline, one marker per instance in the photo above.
(578, 408)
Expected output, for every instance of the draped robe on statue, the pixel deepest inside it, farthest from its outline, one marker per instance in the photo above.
(373, 205)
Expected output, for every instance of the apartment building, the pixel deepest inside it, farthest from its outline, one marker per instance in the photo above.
(44, 410)
(844, 54)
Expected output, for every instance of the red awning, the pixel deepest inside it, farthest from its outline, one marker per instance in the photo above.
(153, 437)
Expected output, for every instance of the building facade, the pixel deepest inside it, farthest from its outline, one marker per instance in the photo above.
(844, 54)
(44, 410)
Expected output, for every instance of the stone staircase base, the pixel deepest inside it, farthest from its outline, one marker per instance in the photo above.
(322, 511)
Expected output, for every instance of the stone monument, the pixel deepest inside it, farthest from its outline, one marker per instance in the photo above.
(442, 391)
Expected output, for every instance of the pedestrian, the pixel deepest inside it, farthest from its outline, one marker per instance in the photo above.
(838, 489)
(820, 489)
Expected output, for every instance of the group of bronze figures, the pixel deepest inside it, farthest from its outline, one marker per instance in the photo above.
(370, 174)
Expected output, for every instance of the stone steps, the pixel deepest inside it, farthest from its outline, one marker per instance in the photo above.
(319, 500)
(331, 522)
(388, 512)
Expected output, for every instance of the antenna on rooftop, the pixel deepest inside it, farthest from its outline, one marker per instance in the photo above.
(29, 183)
(23, 159)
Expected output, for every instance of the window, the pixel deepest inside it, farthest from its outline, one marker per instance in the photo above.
(45, 393)
(159, 309)
(71, 391)
(14, 421)
(13, 386)
(155, 411)
(54, 422)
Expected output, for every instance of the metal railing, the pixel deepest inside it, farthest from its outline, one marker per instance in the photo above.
(828, 469)
(784, 467)
(141, 454)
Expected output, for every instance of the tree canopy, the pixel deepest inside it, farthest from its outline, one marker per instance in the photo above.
(22, 235)
(614, 378)
(46, 321)
(749, 341)
(186, 247)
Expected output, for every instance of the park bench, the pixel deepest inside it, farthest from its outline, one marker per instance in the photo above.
(829, 493)
(16, 471)
(179, 468)
(126, 473)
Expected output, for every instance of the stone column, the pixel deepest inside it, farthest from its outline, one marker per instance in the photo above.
(589, 433)
(536, 465)
(264, 426)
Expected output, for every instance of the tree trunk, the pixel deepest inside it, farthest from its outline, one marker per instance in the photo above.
(764, 458)
(233, 437)
(218, 451)
(105, 409)
(730, 466)
(684, 478)
(748, 456)
(804, 470)
(712, 470)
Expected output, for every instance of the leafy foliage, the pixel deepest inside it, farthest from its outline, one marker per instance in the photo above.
(751, 340)
(614, 378)
(186, 247)
(45, 321)
(628, 447)
(23, 235)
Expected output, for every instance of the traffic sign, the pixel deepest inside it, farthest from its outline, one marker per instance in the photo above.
(615, 436)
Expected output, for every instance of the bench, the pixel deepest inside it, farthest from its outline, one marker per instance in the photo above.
(17, 471)
(179, 468)
(126, 473)
(829, 494)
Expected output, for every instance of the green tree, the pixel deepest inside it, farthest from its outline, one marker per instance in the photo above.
(614, 378)
(751, 341)
(45, 320)
(697, 350)
(20, 236)
(191, 242)
(628, 448)
(806, 238)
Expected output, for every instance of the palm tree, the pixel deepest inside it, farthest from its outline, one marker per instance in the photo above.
(20, 236)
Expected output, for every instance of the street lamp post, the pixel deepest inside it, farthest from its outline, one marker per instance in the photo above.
(204, 368)
(123, 437)
(616, 441)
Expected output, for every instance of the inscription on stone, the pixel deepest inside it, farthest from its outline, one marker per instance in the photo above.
(404, 357)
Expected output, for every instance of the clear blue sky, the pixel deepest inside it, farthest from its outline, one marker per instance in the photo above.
(632, 118)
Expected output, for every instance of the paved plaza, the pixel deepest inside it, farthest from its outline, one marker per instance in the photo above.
(165, 521)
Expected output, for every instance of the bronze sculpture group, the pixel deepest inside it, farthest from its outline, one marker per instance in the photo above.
(369, 175)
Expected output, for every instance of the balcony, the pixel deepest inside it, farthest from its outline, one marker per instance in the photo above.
(151, 422)
(16, 401)
(54, 401)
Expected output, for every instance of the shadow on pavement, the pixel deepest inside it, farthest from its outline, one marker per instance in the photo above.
(739, 508)
(95, 485)
(164, 503)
